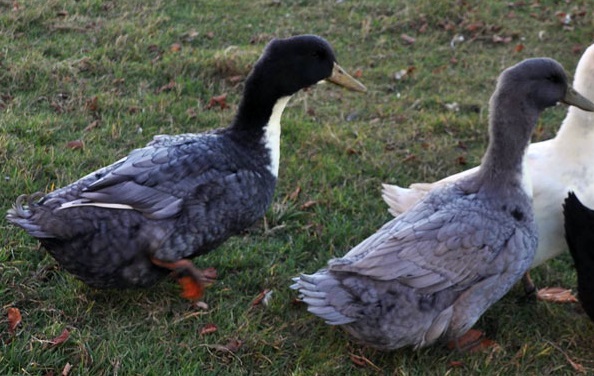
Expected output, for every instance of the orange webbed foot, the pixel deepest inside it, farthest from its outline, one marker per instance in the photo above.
(192, 280)
(472, 341)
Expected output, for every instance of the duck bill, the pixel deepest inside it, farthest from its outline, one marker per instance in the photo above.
(572, 97)
(341, 77)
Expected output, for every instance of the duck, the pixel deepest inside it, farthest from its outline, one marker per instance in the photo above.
(555, 166)
(147, 215)
(579, 233)
(430, 273)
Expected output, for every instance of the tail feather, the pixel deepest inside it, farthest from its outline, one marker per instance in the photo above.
(319, 292)
(400, 199)
(22, 215)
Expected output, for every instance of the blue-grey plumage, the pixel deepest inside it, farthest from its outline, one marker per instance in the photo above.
(579, 234)
(431, 272)
(128, 224)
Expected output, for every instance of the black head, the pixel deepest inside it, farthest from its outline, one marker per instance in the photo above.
(542, 82)
(291, 64)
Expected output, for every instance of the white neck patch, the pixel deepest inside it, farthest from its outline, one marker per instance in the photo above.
(272, 132)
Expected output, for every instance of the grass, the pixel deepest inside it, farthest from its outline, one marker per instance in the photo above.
(67, 64)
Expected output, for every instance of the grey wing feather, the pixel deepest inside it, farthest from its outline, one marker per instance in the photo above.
(451, 247)
(156, 179)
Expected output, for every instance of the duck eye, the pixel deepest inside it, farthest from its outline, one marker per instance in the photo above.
(554, 78)
(317, 54)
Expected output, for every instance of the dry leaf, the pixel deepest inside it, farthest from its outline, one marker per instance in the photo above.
(220, 100)
(498, 39)
(461, 160)
(167, 87)
(293, 195)
(92, 104)
(261, 296)
(408, 39)
(233, 345)
(93, 125)
(62, 13)
(190, 289)
(75, 145)
(556, 295)
(210, 35)
(61, 338)
(475, 26)
(455, 364)
(175, 47)
(358, 73)
(208, 328)
(66, 369)
(14, 319)
(200, 305)
(362, 361)
(519, 47)
(308, 204)
(235, 79)
(191, 113)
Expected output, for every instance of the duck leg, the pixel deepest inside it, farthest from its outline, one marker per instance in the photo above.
(529, 287)
(192, 280)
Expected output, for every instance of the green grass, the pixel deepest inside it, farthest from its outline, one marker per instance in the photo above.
(56, 56)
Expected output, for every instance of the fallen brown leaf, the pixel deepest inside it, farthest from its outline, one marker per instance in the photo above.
(166, 87)
(461, 160)
(519, 47)
(75, 144)
(362, 361)
(556, 295)
(63, 337)
(220, 100)
(66, 369)
(293, 195)
(208, 329)
(308, 204)
(260, 297)
(232, 346)
(14, 319)
(407, 38)
(210, 35)
(358, 73)
(92, 104)
(175, 47)
(191, 113)
(94, 124)
(455, 364)
(498, 39)
(235, 79)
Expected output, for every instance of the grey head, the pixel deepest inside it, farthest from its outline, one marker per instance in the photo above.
(523, 92)
(543, 83)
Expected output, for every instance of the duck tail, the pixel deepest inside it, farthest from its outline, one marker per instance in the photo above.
(400, 199)
(324, 296)
(23, 215)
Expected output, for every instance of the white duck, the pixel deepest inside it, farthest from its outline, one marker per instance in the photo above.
(556, 166)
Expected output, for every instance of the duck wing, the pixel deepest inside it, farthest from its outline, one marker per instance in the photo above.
(157, 179)
(444, 241)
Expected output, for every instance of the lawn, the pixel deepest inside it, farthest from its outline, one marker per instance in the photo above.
(84, 82)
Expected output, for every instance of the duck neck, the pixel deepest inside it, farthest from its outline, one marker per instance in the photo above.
(509, 134)
(576, 131)
(258, 120)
